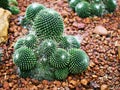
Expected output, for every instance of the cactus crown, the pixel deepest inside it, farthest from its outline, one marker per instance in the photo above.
(24, 58)
(48, 24)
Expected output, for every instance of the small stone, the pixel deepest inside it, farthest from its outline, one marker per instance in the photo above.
(84, 82)
(100, 30)
(81, 25)
(104, 87)
(73, 82)
(92, 64)
(75, 24)
(64, 84)
(6, 85)
(57, 83)
(55, 88)
(94, 76)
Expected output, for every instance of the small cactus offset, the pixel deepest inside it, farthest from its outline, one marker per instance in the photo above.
(96, 9)
(47, 48)
(32, 10)
(28, 41)
(79, 61)
(83, 9)
(45, 53)
(73, 3)
(48, 24)
(19, 43)
(61, 74)
(24, 58)
(87, 8)
(110, 5)
(60, 59)
(68, 42)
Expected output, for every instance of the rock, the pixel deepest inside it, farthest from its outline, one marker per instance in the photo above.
(84, 82)
(65, 84)
(100, 30)
(81, 25)
(73, 82)
(104, 87)
(4, 24)
(6, 85)
(94, 76)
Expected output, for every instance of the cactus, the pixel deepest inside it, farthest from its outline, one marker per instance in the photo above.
(47, 48)
(23, 74)
(83, 9)
(68, 42)
(73, 3)
(4, 4)
(32, 10)
(24, 58)
(60, 59)
(25, 22)
(110, 5)
(61, 74)
(79, 61)
(30, 41)
(96, 9)
(14, 10)
(48, 24)
(19, 43)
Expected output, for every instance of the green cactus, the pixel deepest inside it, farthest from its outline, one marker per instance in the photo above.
(32, 10)
(4, 4)
(25, 22)
(73, 3)
(19, 43)
(83, 9)
(14, 10)
(110, 5)
(24, 58)
(60, 58)
(30, 41)
(48, 24)
(79, 61)
(96, 9)
(68, 42)
(23, 74)
(47, 48)
(61, 74)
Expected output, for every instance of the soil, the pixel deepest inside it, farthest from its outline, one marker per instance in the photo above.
(104, 70)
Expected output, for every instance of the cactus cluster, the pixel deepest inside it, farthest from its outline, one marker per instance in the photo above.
(10, 5)
(86, 8)
(46, 53)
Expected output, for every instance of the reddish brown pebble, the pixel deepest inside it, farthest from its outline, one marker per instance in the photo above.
(6, 85)
(104, 87)
(84, 82)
